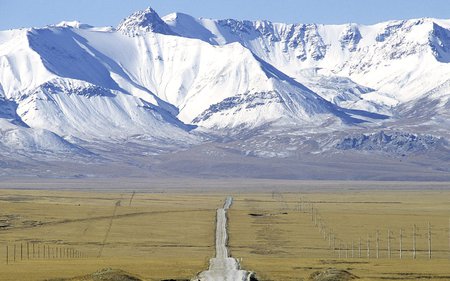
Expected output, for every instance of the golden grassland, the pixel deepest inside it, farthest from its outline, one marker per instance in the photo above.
(159, 236)
(170, 235)
(283, 243)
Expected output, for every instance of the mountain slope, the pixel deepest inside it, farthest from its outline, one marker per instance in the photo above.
(76, 81)
(398, 60)
(161, 90)
(192, 78)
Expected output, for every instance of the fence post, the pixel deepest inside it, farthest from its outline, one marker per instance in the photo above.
(21, 251)
(14, 252)
(28, 250)
(368, 247)
(7, 255)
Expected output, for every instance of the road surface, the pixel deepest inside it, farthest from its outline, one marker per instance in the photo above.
(223, 267)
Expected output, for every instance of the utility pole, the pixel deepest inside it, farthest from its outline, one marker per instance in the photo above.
(334, 242)
(414, 242)
(315, 218)
(353, 253)
(359, 248)
(389, 243)
(429, 240)
(329, 240)
(131, 198)
(346, 250)
(401, 239)
(378, 244)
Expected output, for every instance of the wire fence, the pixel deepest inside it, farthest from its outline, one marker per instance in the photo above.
(25, 251)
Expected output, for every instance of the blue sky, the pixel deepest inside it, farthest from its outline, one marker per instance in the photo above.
(26, 13)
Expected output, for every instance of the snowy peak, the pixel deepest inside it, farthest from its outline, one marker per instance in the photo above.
(189, 27)
(440, 42)
(257, 88)
(239, 74)
(74, 24)
(142, 22)
(350, 37)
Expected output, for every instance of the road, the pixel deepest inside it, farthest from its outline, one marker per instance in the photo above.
(223, 267)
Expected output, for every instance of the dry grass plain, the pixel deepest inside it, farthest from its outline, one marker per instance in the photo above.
(160, 236)
(170, 235)
(285, 244)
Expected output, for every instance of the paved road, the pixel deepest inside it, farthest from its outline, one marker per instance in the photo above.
(223, 267)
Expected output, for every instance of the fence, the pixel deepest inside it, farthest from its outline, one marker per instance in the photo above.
(20, 251)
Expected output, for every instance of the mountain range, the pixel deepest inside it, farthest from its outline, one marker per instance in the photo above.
(179, 96)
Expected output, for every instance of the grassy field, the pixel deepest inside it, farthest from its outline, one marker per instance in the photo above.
(170, 235)
(159, 236)
(280, 242)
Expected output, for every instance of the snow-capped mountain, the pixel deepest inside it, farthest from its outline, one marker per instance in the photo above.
(389, 60)
(160, 84)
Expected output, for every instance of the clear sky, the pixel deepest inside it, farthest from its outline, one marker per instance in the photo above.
(36, 13)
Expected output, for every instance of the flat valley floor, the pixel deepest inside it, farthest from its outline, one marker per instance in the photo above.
(281, 230)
